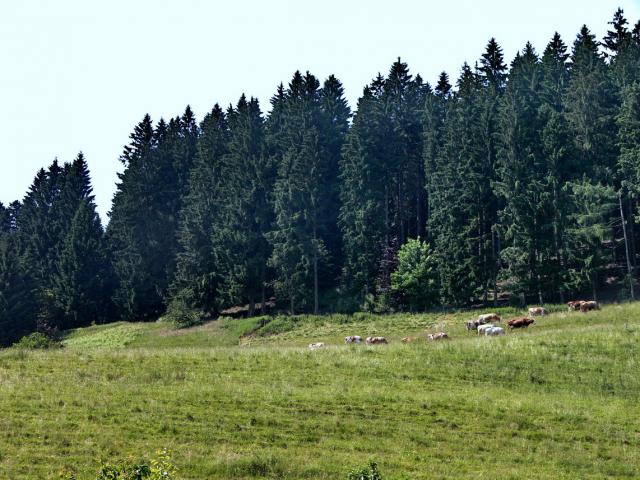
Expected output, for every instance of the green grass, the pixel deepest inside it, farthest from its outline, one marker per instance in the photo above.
(234, 399)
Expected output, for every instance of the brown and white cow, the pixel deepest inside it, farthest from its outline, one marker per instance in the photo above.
(574, 304)
(588, 306)
(487, 318)
(537, 311)
(376, 340)
(437, 336)
(521, 322)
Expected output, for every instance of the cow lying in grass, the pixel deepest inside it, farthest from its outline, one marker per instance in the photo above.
(376, 340)
(315, 346)
(522, 322)
(353, 339)
(437, 336)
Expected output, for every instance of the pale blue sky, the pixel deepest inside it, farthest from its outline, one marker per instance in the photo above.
(78, 75)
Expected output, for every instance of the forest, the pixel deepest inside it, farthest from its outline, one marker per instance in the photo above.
(514, 182)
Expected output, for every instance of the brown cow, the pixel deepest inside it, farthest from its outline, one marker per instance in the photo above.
(376, 340)
(574, 304)
(408, 339)
(437, 336)
(521, 322)
(588, 306)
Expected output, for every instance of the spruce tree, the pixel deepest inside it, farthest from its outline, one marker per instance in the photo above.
(18, 310)
(455, 196)
(81, 278)
(197, 271)
(245, 215)
(589, 108)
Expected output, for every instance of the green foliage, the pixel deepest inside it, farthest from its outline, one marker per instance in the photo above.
(37, 341)
(367, 473)
(415, 279)
(158, 468)
(180, 313)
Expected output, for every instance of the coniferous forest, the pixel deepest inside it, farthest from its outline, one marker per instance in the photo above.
(511, 182)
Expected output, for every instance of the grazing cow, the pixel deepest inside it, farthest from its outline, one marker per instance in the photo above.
(437, 336)
(353, 339)
(484, 328)
(471, 325)
(537, 311)
(588, 306)
(376, 340)
(488, 317)
(522, 322)
(494, 331)
(575, 304)
(315, 346)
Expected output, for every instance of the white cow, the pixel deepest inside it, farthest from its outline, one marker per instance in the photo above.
(483, 328)
(494, 331)
(353, 339)
(315, 346)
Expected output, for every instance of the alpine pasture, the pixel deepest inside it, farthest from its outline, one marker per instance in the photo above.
(247, 399)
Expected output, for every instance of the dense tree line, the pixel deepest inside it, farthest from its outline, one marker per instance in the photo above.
(519, 179)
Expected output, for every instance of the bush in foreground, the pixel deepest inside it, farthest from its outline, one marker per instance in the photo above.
(159, 468)
(368, 473)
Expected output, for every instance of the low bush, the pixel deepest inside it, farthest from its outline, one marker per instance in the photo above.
(159, 468)
(37, 341)
(368, 473)
(181, 315)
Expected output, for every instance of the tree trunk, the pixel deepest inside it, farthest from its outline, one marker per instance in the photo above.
(556, 241)
(290, 298)
(631, 233)
(252, 305)
(315, 282)
(626, 247)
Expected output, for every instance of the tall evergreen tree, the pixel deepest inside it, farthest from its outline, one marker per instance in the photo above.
(18, 311)
(589, 108)
(246, 212)
(455, 196)
(197, 273)
(80, 283)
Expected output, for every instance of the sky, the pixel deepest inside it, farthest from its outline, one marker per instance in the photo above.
(77, 75)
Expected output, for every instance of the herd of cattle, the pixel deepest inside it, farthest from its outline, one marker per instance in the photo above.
(484, 324)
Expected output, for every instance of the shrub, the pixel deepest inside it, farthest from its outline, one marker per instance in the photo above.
(181, 314)
(35, 341)
(159, 468)
(367, 473)
(415, 279)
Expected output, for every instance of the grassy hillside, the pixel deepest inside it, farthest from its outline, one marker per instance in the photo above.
(244, 399)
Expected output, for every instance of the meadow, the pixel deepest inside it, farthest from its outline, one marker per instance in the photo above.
(246, 399)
